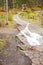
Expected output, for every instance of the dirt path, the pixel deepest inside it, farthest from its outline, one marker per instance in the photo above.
(13, 57)
(19, 21)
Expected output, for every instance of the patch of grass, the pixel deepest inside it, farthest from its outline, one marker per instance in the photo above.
(7, 36)
(41, 25)
(36, 8)
(29, 15)
(6, 53)
(2, 44)
(32, 16)
(11, 23)
(10, 17)
(24, 14)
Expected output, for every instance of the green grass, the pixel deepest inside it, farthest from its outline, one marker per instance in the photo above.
(27, 15)
(24, 15)
(11, 13)
(2, 44)
(11, 23)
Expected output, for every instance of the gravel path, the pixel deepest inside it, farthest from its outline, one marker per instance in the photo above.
(19, 21)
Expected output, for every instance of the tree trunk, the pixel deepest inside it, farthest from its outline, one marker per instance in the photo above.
(6, 11)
